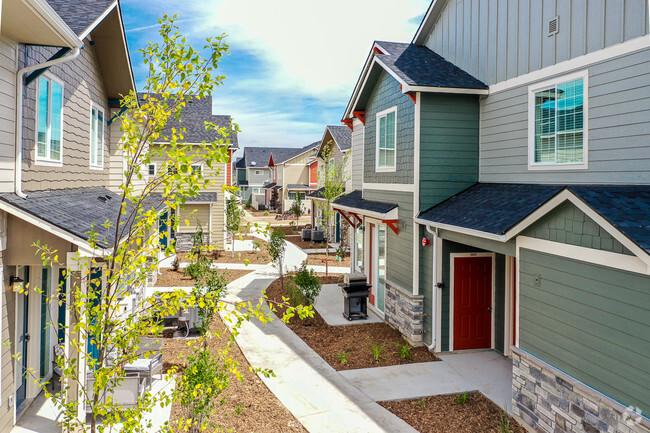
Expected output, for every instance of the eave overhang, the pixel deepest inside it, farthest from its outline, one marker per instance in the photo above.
(35, 22)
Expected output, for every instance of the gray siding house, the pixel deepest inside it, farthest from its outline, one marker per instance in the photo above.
(501, 198)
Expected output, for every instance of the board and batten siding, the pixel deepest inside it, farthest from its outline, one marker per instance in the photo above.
(619, 129)
(355, 161)
(589, 321)
(8, 67)
(399, 248)
(82, 84)
(387, 94)
(496, 40)
(448, 146)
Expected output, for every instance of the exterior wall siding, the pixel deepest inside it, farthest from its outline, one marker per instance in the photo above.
(387, 94)
(258, 179)
(448, 146)
(399, 248)
(619, 129)
(495, 40)
(356, 155)
(568, 224)
(426, 285)
(588, 321)
(7, 362)
(82, 84)
(8, 67)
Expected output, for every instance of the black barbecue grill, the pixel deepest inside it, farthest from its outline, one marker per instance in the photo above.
(355, 296)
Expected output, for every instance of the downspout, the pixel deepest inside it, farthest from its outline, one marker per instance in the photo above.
(18, 158)
(434, 289)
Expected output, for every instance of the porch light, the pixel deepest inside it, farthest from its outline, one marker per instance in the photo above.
(17, 283)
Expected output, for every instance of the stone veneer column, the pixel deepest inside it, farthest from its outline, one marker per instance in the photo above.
(403, 311)
(549, 401)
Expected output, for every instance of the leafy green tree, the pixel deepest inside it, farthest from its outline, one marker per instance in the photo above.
(234, 215)
(308, 286)
(277, 248)
(332, 178)
(100, 336)
(296, 207)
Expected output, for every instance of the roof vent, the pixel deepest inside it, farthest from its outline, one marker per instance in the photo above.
(253, 163)
(553, 26)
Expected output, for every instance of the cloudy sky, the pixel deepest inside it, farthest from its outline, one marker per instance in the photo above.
(293, 63)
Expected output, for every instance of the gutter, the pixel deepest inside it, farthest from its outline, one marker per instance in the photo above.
(18, 157)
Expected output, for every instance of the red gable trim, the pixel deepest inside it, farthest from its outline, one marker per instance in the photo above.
(377, 50)
(348, 122)
(271, 163)
(361, 115)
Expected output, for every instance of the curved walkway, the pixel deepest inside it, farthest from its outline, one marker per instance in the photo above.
(316, 394)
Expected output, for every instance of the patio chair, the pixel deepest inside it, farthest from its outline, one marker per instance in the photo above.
(147, 367)
(126, 394)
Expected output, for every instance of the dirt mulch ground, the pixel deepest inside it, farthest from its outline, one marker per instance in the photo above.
(172, 278)
(355, 340)
(249, 406)
(259, 257)
(296, 240)
(441, 414)
(319, 260)
(289, 230)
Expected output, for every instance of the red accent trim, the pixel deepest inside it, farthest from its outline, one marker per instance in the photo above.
(345, 217)
(377, 50)
(349, 124)
(356, 216)
(271, 163)
(412, 96)
(229, 169)
(361, 115)
(313, 173)
(393, 224)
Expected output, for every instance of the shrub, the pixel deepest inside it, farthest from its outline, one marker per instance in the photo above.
(307, 284)
(404, 350)
(343, 356)
(461, 399)
(376, 349)
(266, 213)
(176, 264)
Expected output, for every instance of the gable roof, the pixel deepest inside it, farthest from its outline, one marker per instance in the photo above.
(193, 118)
(284, 155)
(429, 21)
(240, 163)
(342, 136)
(259, 157)
(416, 68)
(79, 15)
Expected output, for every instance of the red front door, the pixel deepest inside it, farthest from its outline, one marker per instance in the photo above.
(472, 302)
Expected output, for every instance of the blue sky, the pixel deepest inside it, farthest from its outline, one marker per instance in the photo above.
(293, 63)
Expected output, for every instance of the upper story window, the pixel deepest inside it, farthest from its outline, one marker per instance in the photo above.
(197, 168)
(386, 138)
(294, 195)
(151, 169)
(558, 125)
(96, 137)
(49, 121)
(258, 172)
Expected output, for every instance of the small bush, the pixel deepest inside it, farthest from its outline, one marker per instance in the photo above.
(376, 349)
(343, 357)
(504, 421)
(404, 350)
(176, 264)
(461, 399)
(307, 283)
(266, 213)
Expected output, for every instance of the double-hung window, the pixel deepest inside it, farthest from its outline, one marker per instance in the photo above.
(559, 123)
(96, 137)
(386, 138)
(49, 121)
(197, 168)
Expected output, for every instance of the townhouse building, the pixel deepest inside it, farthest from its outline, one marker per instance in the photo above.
(501, 196)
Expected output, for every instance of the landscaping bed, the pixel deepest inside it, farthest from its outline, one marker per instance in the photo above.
(259, 257)
(446, 413)
(351, 342)
(249, 406)
(319, 259)
(172, 278)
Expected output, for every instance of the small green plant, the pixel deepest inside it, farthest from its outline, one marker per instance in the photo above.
(266, 213)
(421, 403)
(504, 421)
(404, 350)
(238, 410)
(257, 244)
(376, 349)
(176, 264)
(307, 284)
(461, 399)
(343, 357)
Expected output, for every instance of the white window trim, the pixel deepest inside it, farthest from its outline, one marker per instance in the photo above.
(200, 166)
(97, 107)
(155, 169)
(38, 160)
(532, 89)
(377, 117)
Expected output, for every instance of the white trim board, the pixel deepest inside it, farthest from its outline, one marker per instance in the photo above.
(397, 187)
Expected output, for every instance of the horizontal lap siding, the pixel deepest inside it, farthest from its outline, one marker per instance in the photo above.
(495, 40)
(7, 362)
(590, 322)
(7, 113)
(619, 129)
(356, 158)
(426, 283)
(399, 248)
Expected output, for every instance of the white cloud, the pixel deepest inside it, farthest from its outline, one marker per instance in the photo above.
(316, 47)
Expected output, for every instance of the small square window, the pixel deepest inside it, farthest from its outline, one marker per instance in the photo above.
(151, 169)
(197, 168)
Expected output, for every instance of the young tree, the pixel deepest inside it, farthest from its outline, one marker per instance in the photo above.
(234, 215)
(277, 248)
(273, 202)
(296, 207)
(332, 177)
(100, 337)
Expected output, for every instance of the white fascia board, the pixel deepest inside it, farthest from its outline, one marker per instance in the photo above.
(471, 232)
(99, 19)
(428, 22)
(392, 214)
(58, 232)
(392, 73)
(455, 90)
(361, 82)
(42, 8)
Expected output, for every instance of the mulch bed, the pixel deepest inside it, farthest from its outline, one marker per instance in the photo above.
(319, 259)
(442, 414)
(172, 278)
(296, 240)
(249, 406)
(259, 257)
(288, 230)
(356, 340)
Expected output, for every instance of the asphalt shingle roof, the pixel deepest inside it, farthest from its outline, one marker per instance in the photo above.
(419, 66)
(355, 200)
(491, 207)
(261, 155)
(342, 135)
(73, 210)
(79, 14)
(625, 207)
(318, 193)
(193, 117)
(240, 163)
(299, 186)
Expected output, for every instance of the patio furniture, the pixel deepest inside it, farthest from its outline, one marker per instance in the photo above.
(147, 367)
(126, 394)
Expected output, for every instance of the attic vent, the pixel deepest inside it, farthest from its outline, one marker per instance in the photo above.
(554, 26)
(253, 163)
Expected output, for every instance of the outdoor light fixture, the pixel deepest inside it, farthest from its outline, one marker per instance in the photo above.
(16, 283)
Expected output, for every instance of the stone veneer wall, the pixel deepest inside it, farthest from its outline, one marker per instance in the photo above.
(549, 401)
(403, 311)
